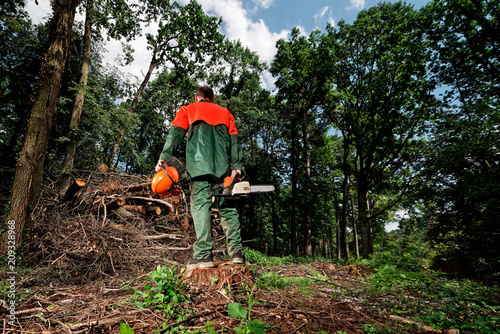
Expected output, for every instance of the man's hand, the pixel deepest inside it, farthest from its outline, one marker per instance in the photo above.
(161, 163)
(235, 172)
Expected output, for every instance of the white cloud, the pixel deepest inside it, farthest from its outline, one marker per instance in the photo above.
(264, 3)
(238, 26)
(356, 4)
(319, 17)
(321, 13)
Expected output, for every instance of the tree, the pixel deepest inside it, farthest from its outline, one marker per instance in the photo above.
(379, 77)
(118, 19)
(29, 168)
(462, 186)
(301, 80)
(12, 8)
(186, 36)
(21, 45)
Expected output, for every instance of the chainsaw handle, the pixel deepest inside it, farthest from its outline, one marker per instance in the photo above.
(237, 176)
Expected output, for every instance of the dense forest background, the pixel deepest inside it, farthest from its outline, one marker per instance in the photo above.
(393, 118)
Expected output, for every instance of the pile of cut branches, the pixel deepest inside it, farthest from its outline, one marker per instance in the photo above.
(107, 224)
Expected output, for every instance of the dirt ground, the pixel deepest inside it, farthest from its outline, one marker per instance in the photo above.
(85, 256)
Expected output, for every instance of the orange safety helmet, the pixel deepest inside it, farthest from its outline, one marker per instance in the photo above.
(164, 182)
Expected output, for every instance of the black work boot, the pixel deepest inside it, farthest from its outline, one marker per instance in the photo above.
(206, 262)
(238, 257)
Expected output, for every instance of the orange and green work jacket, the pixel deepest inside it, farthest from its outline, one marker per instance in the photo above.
(212, 146)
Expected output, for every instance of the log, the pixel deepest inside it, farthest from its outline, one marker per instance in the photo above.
(162, 236)
(73, 188)
(119, 201)
(154, 210)
(136, 208)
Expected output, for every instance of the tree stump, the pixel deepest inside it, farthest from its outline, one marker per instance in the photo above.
(224, 273)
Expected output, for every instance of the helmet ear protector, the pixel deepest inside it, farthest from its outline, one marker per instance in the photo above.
(165, 182)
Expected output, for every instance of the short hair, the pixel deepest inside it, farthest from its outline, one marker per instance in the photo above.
(205, 92)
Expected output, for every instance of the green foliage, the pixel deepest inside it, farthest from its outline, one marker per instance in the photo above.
(439, 302)
(125, 329)
(167, 290)
(462, 174)
(237, 311)
(259, 258)
(21, 44)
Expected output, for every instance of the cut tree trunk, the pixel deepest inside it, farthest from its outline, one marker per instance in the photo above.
(225, 273)
(154, 210)
(73, 189)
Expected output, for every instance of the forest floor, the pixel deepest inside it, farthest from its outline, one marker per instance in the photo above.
(94, 266)
(334, 302)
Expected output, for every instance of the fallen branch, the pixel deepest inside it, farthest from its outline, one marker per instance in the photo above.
(154, 200)
(161, 237)
(411, 322)
(107, 322)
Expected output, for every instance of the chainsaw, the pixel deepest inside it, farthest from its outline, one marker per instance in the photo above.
(235, 187)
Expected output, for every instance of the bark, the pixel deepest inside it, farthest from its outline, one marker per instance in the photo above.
(307, 209)
(275, 226)
(344, 246)
(363, 220)
(133, 106)
(293, 220)
(29, 167)
(354, 227)
(80, 97)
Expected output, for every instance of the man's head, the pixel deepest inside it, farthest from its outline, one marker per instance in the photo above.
(205, 93)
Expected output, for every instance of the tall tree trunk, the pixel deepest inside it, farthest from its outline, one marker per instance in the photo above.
(370, 228)
(29, 167)
(329, 243)
(363, 219)
(307, 210)
(354, 227)
(133, 106)
(293, 220)
(339, 253)
(275, 225)
(80, 97)
(344, 245)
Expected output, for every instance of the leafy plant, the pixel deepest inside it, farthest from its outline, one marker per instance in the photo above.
(237, 311)
(165, 294)
(168, 288)
(125, 329)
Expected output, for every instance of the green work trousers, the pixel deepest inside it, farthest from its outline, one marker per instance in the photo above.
(201, 203)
